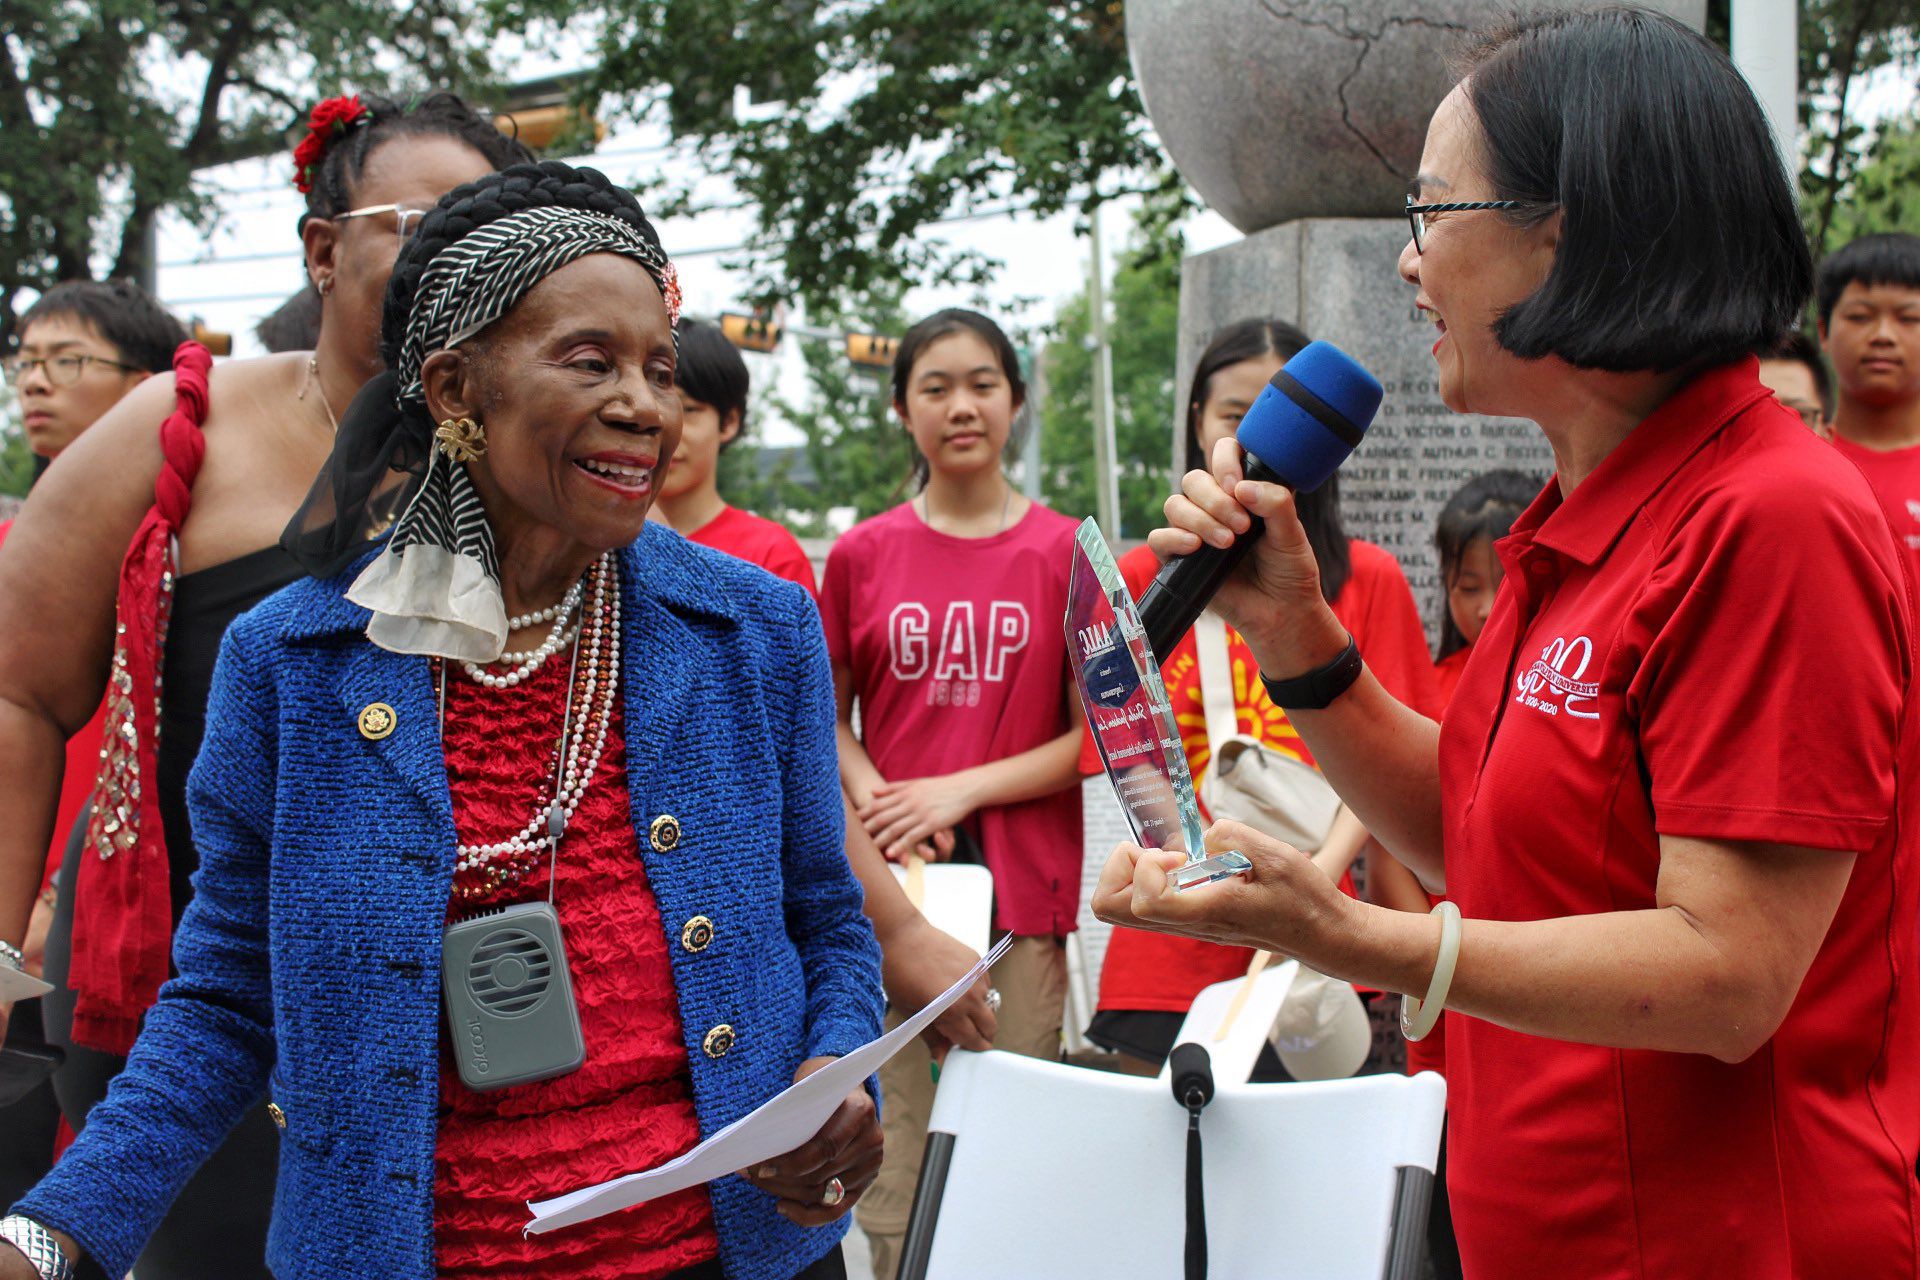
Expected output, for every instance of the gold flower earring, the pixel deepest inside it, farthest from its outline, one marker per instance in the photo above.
(461, 439)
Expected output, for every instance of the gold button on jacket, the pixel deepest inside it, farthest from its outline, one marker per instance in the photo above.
(377, 721)
(665, 833)
(718, 1041)
(698, 934)
(279, 1116)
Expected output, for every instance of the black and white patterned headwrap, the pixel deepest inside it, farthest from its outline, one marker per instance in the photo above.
(436, 587)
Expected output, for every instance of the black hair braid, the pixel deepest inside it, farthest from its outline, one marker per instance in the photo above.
(476, 204)
(440, 114)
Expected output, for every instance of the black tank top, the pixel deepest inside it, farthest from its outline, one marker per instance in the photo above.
(204, 603)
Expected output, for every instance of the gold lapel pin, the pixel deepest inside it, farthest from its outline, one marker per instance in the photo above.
(377, 721)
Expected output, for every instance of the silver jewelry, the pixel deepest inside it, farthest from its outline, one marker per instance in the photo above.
(312, 381)
(568, 603)
(580, 758)
(835, 1193)
(993, 1000)
(12, 956)
(518, 659)
(522, 665)
(39, 1246)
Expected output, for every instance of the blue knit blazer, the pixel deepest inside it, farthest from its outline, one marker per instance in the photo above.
(308, 963)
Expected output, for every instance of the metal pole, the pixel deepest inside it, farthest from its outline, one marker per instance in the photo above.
(1106, 474)
(1766, 37)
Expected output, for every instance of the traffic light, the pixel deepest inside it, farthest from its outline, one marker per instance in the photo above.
(539, 127)
(216, 343)
(749, 332)
(872, 350)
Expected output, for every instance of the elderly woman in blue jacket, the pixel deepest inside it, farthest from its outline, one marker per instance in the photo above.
(530, 760)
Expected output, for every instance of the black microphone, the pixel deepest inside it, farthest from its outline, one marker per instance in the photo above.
(1192, 1072)
(1306, 422)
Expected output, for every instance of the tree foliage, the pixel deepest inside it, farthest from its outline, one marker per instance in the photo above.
(854, 452)
(16, 458)
(900, 113)
(108, 109)
(1143, 328)
(1842, 42)
(1884, 189)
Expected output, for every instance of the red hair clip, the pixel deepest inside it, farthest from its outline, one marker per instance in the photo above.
(327, 121)
(671, 293)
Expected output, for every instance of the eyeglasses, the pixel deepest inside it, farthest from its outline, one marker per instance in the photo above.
(406, 217)
(61, 370)
(1417, 215)
(1813, 414)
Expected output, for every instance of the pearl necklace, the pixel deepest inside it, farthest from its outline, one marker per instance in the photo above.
(583, 743)
(517, 659)
(522, 665)
(568, 603)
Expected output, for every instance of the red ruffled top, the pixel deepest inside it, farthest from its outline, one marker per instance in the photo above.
(630, 1106)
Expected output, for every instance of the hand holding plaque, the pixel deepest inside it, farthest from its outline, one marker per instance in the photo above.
(1119, 680)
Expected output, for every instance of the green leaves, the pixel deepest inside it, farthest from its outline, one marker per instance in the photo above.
(109, 108)
(902, 112)
(1883, 189)
(1142, 332)
(1849, 180)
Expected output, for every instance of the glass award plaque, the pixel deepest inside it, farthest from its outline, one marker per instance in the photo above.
(1132, 719)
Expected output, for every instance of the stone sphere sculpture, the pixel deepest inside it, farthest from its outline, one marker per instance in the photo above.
(1311, 109)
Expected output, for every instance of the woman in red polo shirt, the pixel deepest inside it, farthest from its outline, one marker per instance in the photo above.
(1673, 793)
(1148, 981)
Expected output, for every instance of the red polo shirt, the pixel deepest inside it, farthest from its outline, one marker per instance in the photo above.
(1711, 639)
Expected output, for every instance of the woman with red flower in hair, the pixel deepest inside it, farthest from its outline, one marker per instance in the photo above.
(175, 532)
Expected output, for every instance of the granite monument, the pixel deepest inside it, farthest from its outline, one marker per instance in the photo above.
(1302, 123)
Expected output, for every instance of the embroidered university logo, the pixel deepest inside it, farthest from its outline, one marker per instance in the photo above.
(1553, 684)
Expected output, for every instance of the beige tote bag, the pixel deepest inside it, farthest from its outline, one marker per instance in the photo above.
(1246, 781)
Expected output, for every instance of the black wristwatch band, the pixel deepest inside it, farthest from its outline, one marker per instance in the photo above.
(1316, 690)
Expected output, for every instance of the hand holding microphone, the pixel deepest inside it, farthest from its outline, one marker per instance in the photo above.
(1298, 432)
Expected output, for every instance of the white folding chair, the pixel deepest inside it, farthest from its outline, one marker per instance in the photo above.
(1040, 1169)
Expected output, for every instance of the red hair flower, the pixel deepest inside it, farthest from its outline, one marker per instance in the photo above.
(671, 294)
(328, 120)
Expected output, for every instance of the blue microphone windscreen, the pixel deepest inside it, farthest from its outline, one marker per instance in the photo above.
(1311, 416)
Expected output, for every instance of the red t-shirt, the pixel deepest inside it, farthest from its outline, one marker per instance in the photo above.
(630, 1104)
(757, 540)
(1430, 1054)
(958, 654)
(76, 783)
(1446, 677)
(1711, 638)
(1895, 477)
(1154, 971)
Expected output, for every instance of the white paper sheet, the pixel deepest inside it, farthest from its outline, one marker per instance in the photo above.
(15, 985)
(772, 1129)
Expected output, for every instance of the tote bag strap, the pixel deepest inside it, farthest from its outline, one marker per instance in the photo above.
(1216, 680)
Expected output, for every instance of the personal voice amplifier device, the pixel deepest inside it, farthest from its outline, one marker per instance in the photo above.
(510, 1009)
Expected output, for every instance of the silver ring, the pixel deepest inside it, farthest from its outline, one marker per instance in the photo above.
(993, 1000)
(836, 1192)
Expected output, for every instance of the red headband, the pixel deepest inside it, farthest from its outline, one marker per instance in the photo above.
(329, 120)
